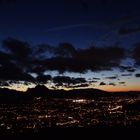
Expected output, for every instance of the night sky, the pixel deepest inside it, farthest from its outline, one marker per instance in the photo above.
(70, 44)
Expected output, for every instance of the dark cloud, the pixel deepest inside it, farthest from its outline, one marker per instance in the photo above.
(121, 83)
(4, 83)
(65, 50)
(78, 86)
(43, 51)
(53, 58)
(15, 60)
(43, 78)
(68, 80)
(137, 75)
(16, 47)
(102, 84)
(112, 84)
(44, 48)
(127, 74)
(112, 77)
(5, 59)
(19, 50)
(131, 70)
(95, 78)
(11, 72)
(19, 60)
(127, 68)
(81, 60)
(38, 67)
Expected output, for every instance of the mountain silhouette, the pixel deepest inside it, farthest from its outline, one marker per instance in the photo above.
(39, 90)
(13, 96)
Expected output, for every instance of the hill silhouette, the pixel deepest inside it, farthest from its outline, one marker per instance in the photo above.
(13, 96)
(39, 90)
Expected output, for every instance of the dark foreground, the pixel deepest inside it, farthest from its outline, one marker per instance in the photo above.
(41, 113)
(39, 110)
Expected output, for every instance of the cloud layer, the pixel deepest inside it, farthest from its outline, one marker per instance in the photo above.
(19, 61)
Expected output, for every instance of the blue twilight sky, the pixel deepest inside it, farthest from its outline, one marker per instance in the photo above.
(79, 22)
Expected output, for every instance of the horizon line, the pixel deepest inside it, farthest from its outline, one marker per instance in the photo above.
(111, 91)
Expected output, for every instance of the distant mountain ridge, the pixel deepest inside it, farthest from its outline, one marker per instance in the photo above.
(41, 90)
(8, 95)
